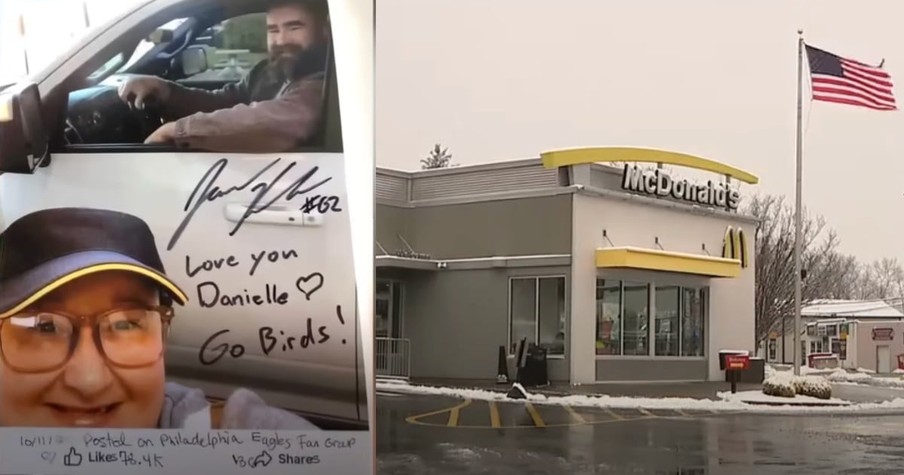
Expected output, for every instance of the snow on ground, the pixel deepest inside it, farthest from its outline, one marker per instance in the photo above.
(731, 404)
(808, 371)
(842, 376)
(390, 381)
(804, 370)
(839, 375)
(759, 397)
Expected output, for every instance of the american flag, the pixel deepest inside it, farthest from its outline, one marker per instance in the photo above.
(847, 81)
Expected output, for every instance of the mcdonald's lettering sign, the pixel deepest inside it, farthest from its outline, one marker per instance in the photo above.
(657, 182)
(734, 246)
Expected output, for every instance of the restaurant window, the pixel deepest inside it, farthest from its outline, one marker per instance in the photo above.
(636, 309)
(608, 317)
(623, 319)
(537, 313)
(772, 352)
(667, 326)
(551, 315)
(523, 304)
(693, 321)
(388, 309)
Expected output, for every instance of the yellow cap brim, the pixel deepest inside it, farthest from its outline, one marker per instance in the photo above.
(159, 279)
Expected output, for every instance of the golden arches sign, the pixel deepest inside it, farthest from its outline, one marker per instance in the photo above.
(734, 246)
(580, 156)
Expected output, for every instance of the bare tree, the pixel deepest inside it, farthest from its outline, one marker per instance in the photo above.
(828, 273)
(865, 286)
(439, 157)
(881, 279)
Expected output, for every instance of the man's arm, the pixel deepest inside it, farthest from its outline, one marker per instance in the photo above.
(183, 101)
(262, 127)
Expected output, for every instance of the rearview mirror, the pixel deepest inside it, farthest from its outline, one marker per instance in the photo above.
(23, 139)
(194, 60)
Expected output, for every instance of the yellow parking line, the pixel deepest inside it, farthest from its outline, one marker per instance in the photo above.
(538, 421)
(414, 419)
(679, 411)
(455, 412)
(460, 405)
(494, 415)
(577, 417)
(612, 413)
(644, 412)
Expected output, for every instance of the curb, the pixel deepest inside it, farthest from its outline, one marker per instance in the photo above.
(797, 404)
(754, 408)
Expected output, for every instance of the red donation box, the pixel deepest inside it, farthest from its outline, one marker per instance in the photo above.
(737, 362)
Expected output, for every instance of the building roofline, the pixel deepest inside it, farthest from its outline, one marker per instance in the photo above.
(485, 197)
(460, 169)
(567, 190)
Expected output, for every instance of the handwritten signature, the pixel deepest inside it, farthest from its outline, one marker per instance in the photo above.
(208, 190)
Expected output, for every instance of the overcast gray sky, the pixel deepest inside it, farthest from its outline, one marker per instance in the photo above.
(507, 79)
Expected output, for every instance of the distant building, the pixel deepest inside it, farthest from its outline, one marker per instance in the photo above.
(820, 314)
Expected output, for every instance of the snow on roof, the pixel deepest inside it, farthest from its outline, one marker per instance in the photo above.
(851, 308)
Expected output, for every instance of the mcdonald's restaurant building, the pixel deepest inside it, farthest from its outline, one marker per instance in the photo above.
(622, 273)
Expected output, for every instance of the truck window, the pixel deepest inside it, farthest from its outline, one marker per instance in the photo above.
(232, 48)
(236, 83)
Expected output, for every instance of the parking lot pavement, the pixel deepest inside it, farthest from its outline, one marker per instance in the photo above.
(427, 435)
(858, 393)
(481, 414)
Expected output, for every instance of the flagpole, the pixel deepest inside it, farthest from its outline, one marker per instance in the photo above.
(798, 205)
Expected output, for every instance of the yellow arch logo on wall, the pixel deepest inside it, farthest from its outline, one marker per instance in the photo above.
(580, 156)
(734, 246)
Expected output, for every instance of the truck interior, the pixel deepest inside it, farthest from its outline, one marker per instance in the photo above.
(188, 45)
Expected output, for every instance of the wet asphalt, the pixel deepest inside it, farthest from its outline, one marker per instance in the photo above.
(439, 435)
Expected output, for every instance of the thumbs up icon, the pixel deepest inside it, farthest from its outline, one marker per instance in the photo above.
(73, 458)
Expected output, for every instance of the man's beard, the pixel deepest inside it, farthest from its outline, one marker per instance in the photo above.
(292, 62)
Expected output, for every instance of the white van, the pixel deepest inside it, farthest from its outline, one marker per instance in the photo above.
(67, 139)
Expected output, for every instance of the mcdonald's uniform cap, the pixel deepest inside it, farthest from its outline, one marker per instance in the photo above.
(44, 250)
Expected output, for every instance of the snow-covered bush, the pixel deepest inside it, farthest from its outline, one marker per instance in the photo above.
(813, 386)
(779, 384)
(786, 384)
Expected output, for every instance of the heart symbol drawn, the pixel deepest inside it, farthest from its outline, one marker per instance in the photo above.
(301, 284)
(48, 457)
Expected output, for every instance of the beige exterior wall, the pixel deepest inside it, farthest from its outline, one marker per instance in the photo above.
(867, 348)
(627, 222)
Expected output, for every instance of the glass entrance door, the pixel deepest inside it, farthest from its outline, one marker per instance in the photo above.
(387, 309)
